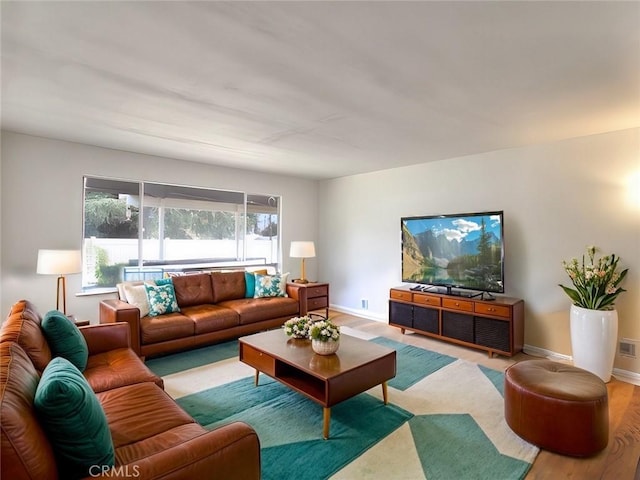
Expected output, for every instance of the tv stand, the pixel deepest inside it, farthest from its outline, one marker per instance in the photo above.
(482, 295)
(456, 293)
(493, 324)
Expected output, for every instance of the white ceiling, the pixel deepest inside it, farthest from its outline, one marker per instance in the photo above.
(319, 89)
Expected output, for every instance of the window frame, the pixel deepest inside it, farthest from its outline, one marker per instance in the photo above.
(206, 202)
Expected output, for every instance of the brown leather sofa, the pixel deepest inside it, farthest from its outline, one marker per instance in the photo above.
(152, 436)
(213, 308)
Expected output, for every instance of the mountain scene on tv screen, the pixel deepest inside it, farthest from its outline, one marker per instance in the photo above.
(462, 252)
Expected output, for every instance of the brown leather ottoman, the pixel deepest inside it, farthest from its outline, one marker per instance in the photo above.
(557, 407)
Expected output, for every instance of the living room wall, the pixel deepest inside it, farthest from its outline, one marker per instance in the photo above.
(557, 199)
(42, 208)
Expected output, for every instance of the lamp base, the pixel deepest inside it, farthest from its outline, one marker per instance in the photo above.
(300, 280)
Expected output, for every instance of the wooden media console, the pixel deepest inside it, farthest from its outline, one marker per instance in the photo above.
(496, 326)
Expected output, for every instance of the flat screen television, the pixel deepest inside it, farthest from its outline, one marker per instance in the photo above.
(464, 251)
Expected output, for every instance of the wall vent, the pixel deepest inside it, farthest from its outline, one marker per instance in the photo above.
(627, 348)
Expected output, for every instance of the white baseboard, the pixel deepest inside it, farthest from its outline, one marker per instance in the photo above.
(623, 375)
(358, 312)
(627, 376)
(542, 352)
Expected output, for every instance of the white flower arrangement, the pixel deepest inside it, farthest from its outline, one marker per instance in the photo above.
(597, 283)
(298, 327)
(324, 330)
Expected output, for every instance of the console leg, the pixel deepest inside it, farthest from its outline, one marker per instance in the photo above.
(384, 393)
(257, 375)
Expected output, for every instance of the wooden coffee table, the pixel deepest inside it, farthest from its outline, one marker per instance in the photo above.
(328, 380)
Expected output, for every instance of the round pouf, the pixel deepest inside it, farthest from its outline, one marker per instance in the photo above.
(560, 408)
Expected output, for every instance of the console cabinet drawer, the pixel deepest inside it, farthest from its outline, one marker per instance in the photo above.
(455, 304)
(400, 295)
(493, 310)
(426, 299)
(257, 359)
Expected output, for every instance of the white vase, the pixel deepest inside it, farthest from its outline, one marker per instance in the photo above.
(325, 348)
(594, 334)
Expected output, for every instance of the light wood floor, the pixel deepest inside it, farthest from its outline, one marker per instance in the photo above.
(619, 461)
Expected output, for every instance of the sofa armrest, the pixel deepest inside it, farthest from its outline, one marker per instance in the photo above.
(114, 311)
(230, 452)
(298, 293)
(103, 338)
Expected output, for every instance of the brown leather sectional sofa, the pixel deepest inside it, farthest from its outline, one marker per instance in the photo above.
(213, 307)
(153, 437)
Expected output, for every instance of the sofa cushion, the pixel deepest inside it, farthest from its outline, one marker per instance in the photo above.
(211, 318)
(162, 299)
(193, 290)
(250, 282)
(117, 368)
(136, 295)
(253, 310)
(271, 285)
(23, 327)
(65, 339)
(26, 451)
(227, 285)
(73, 419)
(165, 327)
(131, 419)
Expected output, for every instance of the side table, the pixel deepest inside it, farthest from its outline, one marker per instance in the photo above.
(315, 297)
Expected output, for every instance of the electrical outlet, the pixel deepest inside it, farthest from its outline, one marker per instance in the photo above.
(365, 304)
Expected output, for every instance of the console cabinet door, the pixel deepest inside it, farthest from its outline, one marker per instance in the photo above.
(492, 333)
(401, 314)
(457, 325)
(426, 319)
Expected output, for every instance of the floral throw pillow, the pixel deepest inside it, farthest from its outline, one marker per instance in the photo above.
(162, 299)
(271, 285)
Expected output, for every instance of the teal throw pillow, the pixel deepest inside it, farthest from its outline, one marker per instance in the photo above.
(73, 419)
(162, 299)
(64, 339)
(164, 281)
(250, 283)
(271, 285)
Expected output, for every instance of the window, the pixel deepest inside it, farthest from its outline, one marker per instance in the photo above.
(142, 230)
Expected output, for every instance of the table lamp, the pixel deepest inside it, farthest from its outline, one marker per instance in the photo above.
(302, 250)
(61, 263)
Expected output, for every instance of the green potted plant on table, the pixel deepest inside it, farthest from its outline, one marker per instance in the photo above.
(593, 318)
(325, 337)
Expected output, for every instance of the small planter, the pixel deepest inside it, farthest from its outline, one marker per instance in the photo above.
(328, 347)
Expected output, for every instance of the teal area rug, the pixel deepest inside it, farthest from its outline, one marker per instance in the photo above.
(444, 421)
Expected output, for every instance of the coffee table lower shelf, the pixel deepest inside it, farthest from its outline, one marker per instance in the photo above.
(327, 380)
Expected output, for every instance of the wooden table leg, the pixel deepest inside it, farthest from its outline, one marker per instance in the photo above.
(326, 414)
(257, 375)
(384, 392)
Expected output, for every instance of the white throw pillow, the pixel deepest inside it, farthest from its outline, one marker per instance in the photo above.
(136, 295)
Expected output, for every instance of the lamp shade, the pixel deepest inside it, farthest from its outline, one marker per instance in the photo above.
(59, 262)
(302, 250)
